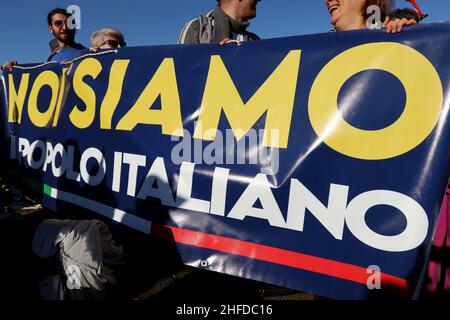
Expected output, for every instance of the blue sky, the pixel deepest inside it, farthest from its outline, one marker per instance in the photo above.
(24, 35)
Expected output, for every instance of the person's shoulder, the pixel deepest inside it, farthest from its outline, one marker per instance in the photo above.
(191, 32)
(194, 25)
(68, 53)
(193, 28)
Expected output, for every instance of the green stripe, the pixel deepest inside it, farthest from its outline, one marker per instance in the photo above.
(47, 190)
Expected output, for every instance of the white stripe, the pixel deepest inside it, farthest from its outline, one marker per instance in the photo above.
(91, 54)
(34, 67)
(54, 193)
(117, 215)
(6, 94)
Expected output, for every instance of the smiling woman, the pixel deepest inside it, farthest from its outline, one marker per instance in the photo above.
(354, 14)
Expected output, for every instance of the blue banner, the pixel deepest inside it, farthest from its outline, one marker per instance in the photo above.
(317, 163)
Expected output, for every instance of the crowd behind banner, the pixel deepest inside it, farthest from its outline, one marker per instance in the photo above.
(225, 240)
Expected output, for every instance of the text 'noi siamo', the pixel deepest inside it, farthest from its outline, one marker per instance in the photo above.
(274, 98)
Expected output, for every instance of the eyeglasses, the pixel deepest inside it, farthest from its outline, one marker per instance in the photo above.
(114, 43)
(59, 23)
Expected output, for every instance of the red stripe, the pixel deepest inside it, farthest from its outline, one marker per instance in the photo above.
(278, 256)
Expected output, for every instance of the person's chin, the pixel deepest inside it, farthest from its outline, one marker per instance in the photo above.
(67, 39)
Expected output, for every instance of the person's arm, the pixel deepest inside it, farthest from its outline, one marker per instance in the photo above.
(8, 65)
(401, 18)
(190, 33)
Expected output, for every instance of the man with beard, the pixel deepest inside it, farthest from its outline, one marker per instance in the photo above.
(63, 46)
(229, 21)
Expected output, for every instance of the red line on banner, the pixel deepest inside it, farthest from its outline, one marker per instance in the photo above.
(278, 256)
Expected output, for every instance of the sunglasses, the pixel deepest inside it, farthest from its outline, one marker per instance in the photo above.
(59, 23)
(114, 43)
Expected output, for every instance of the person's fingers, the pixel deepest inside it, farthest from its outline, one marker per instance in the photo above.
(387, 20)
(12, 64)
(400, 25)
(411, 22)
(388, 27)
(394, 26)
(7, 65)
(397, 25)
(224, 41)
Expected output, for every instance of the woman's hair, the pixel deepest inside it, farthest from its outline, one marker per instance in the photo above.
(98, 37)
(386, 6)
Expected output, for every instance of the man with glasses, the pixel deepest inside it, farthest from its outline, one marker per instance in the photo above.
(63, 46)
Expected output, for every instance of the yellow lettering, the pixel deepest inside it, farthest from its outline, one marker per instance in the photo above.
(276, 97)
(16, 100)
(113, 93)
(164, 84)
(424, 101)
(61, 96)
(84, 118)
(38, 118)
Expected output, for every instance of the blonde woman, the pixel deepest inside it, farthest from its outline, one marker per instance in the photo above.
(107, 38)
